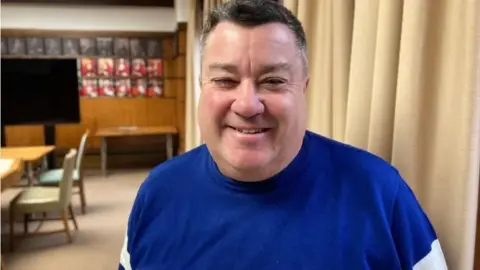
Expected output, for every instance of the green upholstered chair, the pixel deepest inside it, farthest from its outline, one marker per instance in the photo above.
(53, 177)
(40, 199)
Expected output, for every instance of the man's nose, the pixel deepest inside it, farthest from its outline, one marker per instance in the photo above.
(247, 102)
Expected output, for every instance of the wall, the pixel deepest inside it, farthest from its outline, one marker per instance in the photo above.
(111, 111)
(69, 17)
(182, 7)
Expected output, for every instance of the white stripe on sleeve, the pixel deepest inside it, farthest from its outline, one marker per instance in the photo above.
(124, 255)
(434, 260)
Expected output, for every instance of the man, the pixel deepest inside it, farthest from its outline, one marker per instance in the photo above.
(264, 193)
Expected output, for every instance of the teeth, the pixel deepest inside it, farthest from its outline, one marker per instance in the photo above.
(250, 131)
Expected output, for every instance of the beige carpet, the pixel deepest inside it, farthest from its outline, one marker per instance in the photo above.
(97, 243)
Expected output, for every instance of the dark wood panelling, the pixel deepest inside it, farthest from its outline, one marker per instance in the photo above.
(180, 69)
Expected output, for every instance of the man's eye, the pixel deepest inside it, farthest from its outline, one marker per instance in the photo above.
(224, 83)
(273, 82)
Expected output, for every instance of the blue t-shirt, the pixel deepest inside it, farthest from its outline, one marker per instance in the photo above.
(334, 207)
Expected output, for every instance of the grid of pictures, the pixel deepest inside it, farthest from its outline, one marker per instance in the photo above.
(107, 66)
(124, 68)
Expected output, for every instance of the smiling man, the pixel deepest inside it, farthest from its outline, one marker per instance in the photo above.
(263, 192)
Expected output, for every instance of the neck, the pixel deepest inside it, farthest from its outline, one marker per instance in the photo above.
(260, 173)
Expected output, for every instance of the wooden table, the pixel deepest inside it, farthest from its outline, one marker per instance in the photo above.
(27, 154)
(105, 133)
(10, 172)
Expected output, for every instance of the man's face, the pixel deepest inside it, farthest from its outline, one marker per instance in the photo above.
(252, 107)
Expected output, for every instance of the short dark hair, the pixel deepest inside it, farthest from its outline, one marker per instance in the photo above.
(252, 13)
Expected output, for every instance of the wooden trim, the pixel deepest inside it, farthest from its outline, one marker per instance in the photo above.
(182, 26)
(81, 33)
(176, 49)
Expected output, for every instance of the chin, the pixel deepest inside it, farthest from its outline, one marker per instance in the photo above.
(249, 159)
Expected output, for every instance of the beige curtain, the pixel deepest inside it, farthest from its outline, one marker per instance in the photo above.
(192, 136)
(196, 18)
(398, 78)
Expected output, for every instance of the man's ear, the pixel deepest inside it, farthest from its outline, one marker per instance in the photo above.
(307, 81)
(199, 77)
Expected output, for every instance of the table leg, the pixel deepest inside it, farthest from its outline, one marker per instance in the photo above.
(103, 155)
(30, 175)
(169, 146)
(45, 163)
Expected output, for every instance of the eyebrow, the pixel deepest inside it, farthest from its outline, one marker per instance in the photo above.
(223, 67)
(264, 69)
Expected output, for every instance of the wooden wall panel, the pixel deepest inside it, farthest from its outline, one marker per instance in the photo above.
(24, 135)
(112, 112)
(180, 71)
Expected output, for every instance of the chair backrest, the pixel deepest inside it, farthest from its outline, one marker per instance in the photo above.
(81, 150)
(66, 184)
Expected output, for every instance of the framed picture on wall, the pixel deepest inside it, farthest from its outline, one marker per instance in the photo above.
(123, 88)
(155, 88)
(139, 87)
(122, 67)
(53, 46)
(70, 46)
(35, 46)
(154, 48)
(87, 46)
(155, 68)
(16, 46)
(4, 45)
(139, 67)
(106, 88)
(138, 48)
(105, 46)
(121, 47)
(88, 67)
(89, 88)
(105, 67)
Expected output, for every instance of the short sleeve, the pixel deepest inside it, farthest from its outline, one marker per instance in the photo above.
(126, 262)
(417, 245)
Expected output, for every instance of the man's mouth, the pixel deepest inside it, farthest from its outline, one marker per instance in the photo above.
(250, 130)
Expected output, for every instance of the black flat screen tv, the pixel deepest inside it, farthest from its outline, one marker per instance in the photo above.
(39, 91)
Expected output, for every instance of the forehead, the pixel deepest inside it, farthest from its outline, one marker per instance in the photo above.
(232, 42)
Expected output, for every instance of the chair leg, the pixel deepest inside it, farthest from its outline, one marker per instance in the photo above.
(12, 228)
(65, 224)
(72, 215)
(83, 201)
(26, 218)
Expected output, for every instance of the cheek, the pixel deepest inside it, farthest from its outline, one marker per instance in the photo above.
(212, 106)
(284, 110)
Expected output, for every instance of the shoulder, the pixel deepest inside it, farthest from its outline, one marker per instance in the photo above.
(176, 169)
(351, 160)
(165, 183)
(378, 185)
(162, 184)
(367, 177)
(169, 179)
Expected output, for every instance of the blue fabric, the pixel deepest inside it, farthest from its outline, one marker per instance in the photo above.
(333, 207)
